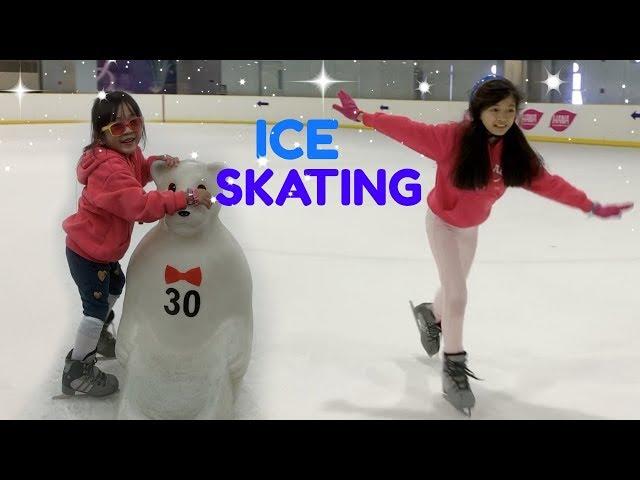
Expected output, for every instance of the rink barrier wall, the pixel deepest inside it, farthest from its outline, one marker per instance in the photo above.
(608, 125)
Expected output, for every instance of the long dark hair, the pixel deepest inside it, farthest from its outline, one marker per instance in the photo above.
(105, 111)
(519, 162)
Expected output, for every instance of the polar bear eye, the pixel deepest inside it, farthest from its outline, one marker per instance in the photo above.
(172, 187)
(202, 187)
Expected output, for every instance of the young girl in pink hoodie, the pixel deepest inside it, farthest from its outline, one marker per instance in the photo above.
(476, 160)
(113, 171)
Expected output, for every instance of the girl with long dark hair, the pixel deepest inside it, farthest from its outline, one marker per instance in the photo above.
(476, 159)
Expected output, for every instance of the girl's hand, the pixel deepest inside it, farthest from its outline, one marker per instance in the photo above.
(170, 161)
(198, 196)
(606, 211)
(204, 197)
(348, 108)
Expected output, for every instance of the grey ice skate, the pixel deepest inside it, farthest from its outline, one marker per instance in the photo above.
(107, 343)
(455, 382)
(428, 327)
(84, 377)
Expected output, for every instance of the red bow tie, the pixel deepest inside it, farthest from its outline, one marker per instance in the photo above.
(193, 276)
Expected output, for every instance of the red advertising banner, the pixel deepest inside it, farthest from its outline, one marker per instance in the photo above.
(561, 120)
(530, 118)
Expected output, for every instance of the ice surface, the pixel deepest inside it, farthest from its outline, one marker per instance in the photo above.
(552, 322)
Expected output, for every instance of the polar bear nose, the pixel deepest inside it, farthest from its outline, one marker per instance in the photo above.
(184, 213)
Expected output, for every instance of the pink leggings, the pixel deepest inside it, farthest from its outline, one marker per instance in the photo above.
(453, 249)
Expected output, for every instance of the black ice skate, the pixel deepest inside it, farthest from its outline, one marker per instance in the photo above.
(84, 377)
(107, 343)
(428, 327)
(455, 382)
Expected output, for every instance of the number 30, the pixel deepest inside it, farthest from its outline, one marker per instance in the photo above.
(188, 311)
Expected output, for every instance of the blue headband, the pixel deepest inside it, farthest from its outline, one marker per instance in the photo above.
(480, 82)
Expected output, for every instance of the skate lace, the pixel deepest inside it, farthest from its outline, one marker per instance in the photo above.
(433, 330)
(98, 376)
(459, 373)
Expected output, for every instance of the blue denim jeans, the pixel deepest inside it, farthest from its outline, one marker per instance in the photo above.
(95, 281)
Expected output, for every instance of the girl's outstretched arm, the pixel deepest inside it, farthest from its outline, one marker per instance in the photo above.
(556, 188)
(433, 141)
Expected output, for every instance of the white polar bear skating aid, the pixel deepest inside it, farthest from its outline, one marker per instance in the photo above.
(185, 335)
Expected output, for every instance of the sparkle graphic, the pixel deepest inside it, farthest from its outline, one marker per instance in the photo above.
(262, 161)
(102, 94)
(242, 81)
(194, 155)
(553, 82)
(424, 86)
(20, 90)
(323, 82)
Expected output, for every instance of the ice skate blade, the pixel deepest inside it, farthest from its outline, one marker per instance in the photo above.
(465, 411)
(77, 394)
(62, 396)
(421, 328)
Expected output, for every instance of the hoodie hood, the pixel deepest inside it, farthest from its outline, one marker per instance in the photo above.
(96, 156)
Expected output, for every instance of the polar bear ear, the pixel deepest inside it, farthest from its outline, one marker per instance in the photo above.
(158, 171)
(212, 173)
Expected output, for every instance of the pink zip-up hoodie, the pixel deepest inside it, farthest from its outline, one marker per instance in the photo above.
(112, 200)
(458, 207)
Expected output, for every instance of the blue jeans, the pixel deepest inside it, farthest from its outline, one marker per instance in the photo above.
(95, 281)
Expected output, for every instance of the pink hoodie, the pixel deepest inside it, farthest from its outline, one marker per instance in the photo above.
(457, 207)
(112, 200)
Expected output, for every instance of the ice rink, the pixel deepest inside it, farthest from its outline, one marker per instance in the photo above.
(552, 324)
